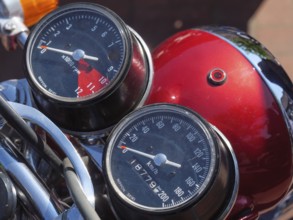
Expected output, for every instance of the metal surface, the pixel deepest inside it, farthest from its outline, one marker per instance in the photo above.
(243, 109)
(36, 117)
(25, 179)
(266, 65)
(11, 23)
(10, 28)
(8, 200)
(21, 39)
(16, 91)
(234, 192)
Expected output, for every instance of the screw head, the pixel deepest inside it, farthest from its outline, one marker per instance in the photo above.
(217, 77)
(9, 26)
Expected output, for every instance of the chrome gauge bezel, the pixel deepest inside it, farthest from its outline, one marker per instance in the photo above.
(126, 90)
(67, 10)
(143, 112)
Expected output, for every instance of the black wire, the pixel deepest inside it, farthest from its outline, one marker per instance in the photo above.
(17, 123)
(78, 196)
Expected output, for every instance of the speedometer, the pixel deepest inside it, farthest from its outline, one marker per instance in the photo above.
(166, 161)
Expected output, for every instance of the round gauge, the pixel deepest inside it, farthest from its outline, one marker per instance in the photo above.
(78, 53)
(162, 159)
(85, 54)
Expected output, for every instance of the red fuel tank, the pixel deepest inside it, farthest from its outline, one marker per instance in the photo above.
(237, 85)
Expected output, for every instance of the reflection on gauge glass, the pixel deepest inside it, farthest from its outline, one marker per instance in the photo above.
(86, 67)
(160, 158)
(78, 52)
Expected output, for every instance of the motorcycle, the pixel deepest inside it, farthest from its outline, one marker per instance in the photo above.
(102, 128)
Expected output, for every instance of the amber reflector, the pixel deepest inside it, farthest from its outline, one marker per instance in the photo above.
(34, 10)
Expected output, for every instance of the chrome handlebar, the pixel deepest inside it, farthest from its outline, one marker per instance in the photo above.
(24, 177)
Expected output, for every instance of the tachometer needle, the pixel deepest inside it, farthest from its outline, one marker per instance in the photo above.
(158, 159)
(77, 54)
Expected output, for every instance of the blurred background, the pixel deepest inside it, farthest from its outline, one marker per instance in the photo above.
(269, 21)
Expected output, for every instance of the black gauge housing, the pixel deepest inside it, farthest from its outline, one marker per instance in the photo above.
(166, 162)
(86, 67)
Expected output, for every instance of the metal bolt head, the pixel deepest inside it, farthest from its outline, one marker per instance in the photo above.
(217, 77)
(9, 26)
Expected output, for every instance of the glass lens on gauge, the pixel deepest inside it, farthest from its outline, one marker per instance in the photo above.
(77, 52)
(160, 157)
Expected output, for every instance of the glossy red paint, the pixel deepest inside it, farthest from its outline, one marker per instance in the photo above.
(242, 108)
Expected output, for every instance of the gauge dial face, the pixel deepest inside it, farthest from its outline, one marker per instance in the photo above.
(77, 52)
(161, 157)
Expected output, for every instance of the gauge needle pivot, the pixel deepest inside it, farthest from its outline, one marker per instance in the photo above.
(77, 54)
(158, 159)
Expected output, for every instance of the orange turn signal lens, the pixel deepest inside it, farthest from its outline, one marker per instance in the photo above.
(34, 10)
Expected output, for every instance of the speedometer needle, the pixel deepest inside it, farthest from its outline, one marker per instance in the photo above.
(77, 54)
(159, 159)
